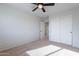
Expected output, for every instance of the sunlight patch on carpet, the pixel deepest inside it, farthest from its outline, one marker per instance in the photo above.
(65, 52)
(43, 50)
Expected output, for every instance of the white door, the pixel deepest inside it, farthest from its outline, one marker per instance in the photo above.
(54, 29)
(66, 29)
(60, 29)
(42, 30)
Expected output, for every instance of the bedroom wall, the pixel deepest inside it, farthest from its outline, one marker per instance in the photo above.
(16, 27)
(75, 22)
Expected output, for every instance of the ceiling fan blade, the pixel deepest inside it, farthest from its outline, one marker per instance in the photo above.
(43, 10)
(34, 9)
(48, 4)
(35, 3)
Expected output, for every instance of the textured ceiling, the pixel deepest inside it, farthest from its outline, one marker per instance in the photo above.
(27, 7)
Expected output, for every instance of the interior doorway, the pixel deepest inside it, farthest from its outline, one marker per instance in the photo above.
(44, 30)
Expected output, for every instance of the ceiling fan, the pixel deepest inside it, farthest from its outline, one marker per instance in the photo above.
(41, 6)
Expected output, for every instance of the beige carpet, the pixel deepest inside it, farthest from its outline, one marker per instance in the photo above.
(41, 48)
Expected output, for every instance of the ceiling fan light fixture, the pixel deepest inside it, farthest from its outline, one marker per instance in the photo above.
(40, 6)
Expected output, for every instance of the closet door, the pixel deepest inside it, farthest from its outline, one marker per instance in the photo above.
(66, 29)
(54, 29)
(60, 29)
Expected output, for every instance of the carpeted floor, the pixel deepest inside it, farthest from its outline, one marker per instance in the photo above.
(42, 48)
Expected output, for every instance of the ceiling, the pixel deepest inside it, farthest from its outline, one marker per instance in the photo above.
(27, 8)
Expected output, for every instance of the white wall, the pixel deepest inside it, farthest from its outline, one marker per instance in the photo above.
(16, 27)
(45, 19)
(75, 22)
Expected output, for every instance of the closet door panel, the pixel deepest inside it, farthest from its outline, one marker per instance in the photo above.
(66, 30)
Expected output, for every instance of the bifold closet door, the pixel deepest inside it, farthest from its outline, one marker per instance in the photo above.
(54, 31)
(66, 29)
(60, 29)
